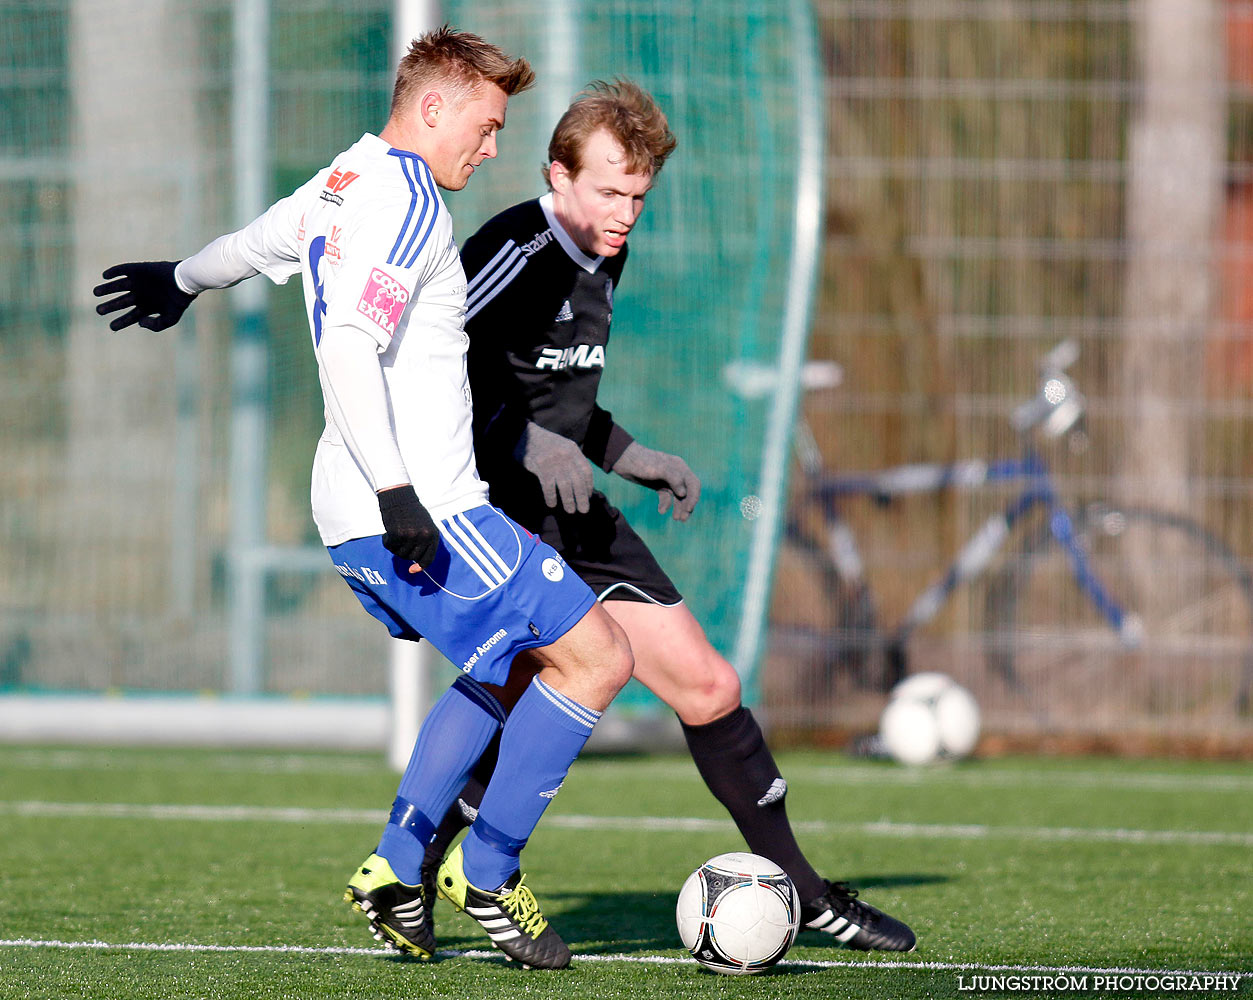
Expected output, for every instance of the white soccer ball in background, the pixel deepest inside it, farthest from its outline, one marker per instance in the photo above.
(929, 717)
(738, 913)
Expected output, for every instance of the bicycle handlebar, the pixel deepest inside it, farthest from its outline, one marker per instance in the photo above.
(1060, 357)
(1054, 410)
(752, 380)
(1058, 404)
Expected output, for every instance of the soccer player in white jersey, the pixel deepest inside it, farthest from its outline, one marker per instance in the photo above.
(542, 276)
(396, 495)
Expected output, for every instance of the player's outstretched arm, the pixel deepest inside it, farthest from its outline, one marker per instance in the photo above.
(560, 466)
(156, 293)
(146, 290)
(669, 475)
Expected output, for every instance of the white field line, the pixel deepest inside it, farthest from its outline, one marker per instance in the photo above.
(959, 831)
(850, 773)
(649, 824)
(868, 963)
(970, 775)
(40, 759)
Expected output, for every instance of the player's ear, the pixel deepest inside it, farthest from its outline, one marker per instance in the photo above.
(559, 176)
(430, 107)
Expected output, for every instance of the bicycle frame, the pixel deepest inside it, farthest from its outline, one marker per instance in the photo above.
(1189, 643)
(982, 546)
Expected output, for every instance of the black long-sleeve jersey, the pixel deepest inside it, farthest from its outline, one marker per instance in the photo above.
(538, 312)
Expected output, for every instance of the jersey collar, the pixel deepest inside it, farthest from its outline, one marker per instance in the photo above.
(381, 147)
(589, 264)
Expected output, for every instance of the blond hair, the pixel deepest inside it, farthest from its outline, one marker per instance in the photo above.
(628, 113)
(460, 61)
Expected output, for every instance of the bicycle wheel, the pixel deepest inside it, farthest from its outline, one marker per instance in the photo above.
(1185, 655)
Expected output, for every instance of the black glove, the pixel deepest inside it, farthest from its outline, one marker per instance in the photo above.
(148, 290)
(669, 475)
(408, 530)
(560, 466)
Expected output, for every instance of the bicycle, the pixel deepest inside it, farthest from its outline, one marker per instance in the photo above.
(1080, 616)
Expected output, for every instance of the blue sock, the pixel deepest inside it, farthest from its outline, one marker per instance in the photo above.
(453, 736)
(545, 732)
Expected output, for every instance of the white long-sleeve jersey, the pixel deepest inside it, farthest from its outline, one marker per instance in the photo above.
(385, 295)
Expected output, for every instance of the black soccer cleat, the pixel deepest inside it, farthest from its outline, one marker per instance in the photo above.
(855, 924)
(399, 915)
(511, 916)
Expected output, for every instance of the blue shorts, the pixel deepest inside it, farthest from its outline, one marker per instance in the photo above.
(492, 591)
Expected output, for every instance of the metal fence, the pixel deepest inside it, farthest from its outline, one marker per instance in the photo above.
(154, 526)
(1002, 177)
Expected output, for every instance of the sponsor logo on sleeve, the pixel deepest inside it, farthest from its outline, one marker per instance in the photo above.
(332, 250)
(383, 301)
(335, 184)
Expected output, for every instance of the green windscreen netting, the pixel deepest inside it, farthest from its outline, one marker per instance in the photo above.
(118, 142)
(706, 280)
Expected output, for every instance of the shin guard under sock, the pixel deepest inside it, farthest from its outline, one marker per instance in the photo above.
(544, 734)
(732, 756)
(465, 809)
(453, 736)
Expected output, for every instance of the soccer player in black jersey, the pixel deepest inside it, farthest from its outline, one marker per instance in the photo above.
(541, 277)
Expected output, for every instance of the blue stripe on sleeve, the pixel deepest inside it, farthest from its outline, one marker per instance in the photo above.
(432, 201)
(414, 175)
(413, 201)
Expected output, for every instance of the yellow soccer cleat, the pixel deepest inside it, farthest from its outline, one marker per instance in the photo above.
(398, 913)
(511, 916)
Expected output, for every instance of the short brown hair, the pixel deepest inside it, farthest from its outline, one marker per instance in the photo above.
(628, 113)
(447, 55)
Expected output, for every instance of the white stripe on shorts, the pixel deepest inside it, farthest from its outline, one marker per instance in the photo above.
(447, 533)
(488, 563)
(466, 523)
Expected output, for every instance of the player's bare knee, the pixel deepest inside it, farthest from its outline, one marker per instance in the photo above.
(712, 692)
(725, 692)
(601, 662)
(619, 662)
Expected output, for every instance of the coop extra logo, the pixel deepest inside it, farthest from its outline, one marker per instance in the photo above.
(383, 300)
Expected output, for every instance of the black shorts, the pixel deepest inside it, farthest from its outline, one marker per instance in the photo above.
(600, 546)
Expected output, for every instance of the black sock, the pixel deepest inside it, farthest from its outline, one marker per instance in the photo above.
(732, 756)
(464, 808)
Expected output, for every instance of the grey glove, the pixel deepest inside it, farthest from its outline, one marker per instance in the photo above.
(669, 475)
(560, 466)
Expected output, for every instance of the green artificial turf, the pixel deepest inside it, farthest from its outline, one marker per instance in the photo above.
(113, 887)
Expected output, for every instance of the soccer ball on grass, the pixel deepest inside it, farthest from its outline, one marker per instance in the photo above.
(738, 913)
(929, 717)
